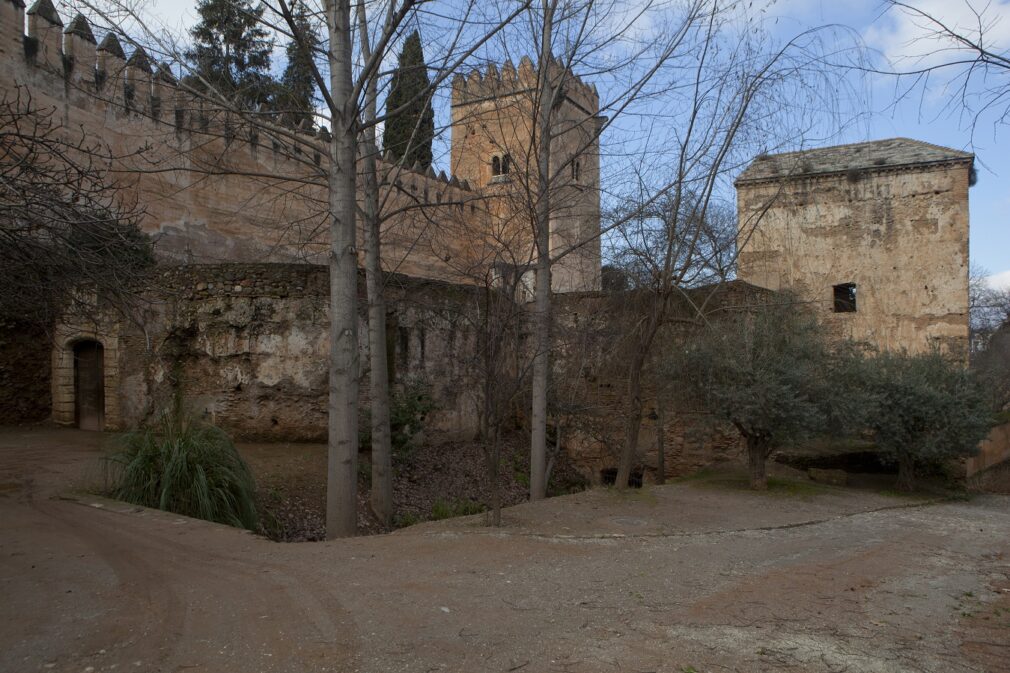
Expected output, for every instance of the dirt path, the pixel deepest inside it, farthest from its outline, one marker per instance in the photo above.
(680, 578)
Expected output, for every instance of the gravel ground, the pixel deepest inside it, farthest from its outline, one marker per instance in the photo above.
(695, 576)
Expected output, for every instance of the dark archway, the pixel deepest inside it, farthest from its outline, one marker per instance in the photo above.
(89, 385)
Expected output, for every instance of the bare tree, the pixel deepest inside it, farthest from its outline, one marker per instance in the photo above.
(346, 68)
(973, 69)
(69, 237)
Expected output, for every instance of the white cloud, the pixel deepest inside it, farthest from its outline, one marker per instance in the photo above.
(999, 281)
(907, 38)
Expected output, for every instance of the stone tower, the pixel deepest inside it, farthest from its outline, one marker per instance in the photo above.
(494, 147)
(874, 234)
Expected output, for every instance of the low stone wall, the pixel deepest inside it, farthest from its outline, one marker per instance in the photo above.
(247, 346)
(993, 450)
(594, 342)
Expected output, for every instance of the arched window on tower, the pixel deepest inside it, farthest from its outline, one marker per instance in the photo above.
(495, 166)
(506, 164)
(576, 170)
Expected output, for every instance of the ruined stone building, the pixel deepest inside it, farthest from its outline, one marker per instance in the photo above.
(875, 234)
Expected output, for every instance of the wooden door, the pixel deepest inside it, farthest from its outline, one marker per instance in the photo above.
(89, 385)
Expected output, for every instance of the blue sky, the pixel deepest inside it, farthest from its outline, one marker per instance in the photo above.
(925, 115)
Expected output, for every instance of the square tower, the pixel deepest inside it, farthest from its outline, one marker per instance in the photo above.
(495, 148)
(875, 234)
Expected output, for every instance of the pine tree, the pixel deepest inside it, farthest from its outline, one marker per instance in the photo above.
(231, 50)
(298, 85)
(408, 133)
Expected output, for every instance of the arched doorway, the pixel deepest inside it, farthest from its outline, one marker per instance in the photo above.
(89, 385)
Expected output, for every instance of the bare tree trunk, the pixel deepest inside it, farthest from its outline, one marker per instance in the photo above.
(542, 322)
(633, 423)
(756, 456)
(496, 478)
(660, 440)
(342, 473)
(382, 463)
(906, 474)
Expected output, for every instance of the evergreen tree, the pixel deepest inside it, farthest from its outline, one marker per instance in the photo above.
(408, 133)
(298, 83)
(231, 49)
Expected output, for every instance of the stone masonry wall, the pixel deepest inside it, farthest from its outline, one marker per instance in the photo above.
(215, 190)
(591, 359)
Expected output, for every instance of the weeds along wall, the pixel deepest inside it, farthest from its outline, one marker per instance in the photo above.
(245, 345)
(217, 190)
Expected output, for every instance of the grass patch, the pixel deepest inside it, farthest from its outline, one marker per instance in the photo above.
(184, 466)
(444, 509)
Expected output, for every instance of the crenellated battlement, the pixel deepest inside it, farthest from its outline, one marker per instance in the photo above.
(73, 66)
(494, 83)
(218, 187)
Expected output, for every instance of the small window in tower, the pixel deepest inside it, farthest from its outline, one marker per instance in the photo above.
(495, 166)
(576, 170)
(506, 164)
(845, 298)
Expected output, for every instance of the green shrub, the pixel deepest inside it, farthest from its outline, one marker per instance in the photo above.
(443, 509)
(409, 405)
(184, 466)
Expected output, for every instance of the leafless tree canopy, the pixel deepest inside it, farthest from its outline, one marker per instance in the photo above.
(972, 68)
(66, 237)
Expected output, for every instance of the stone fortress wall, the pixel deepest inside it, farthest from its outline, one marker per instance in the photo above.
(216, 191)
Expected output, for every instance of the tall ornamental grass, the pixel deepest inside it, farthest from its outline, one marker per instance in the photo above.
(184, 466)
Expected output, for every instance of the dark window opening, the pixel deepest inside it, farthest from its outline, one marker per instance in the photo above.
(845, 298)
(506, 164)
(576, 170)
(495, 166)
(608, 477)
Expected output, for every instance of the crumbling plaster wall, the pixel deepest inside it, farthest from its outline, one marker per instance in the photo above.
(901, 235)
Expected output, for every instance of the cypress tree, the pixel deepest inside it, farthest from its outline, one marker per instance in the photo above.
(408, 133)
(231, 49)
(298, 86)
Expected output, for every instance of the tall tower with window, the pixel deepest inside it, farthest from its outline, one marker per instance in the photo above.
(495, 146)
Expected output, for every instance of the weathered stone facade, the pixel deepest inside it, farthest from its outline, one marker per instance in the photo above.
(876, 234)
(246, 346)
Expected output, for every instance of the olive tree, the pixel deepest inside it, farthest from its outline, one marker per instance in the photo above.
(926, 408)
(770, 372)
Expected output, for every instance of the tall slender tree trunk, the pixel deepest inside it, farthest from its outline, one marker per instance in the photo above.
(633, 423)
(542, 306)
(496, 477)
(342, 458)
(382, 462)
(757, 455)
(660, 439)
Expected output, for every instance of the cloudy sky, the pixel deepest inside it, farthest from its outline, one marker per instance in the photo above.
(924, 116)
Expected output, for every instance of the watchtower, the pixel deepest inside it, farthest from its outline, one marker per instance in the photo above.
(495, 146)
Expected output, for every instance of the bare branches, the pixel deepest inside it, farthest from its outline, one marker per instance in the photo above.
(68, 240)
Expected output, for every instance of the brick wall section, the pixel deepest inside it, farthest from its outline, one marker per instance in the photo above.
(591, 340)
